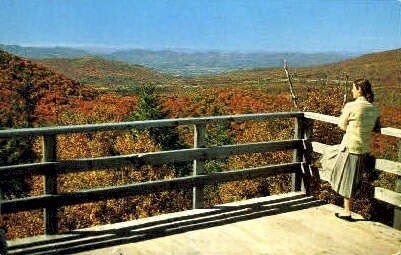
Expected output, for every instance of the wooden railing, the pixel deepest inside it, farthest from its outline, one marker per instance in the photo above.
(300, 167)
(392, 167)
(50, 166)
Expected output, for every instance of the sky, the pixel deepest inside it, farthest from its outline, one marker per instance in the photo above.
(230, 25)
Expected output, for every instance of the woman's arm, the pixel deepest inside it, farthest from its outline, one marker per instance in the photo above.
(343, 120)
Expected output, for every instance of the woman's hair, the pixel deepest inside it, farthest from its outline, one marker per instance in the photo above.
(366, 89)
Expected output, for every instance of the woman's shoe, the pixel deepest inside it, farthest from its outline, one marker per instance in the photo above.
(344, 217)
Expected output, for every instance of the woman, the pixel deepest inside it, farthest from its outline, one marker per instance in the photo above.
(358, 118)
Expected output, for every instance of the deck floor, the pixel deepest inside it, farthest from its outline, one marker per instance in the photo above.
(284, 224)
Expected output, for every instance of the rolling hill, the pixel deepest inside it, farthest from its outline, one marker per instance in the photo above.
(384, 67)
(32, 93)
(104, 73)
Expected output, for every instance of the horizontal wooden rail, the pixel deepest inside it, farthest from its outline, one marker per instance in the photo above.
(388, 166)
(391, 132)
(395, 132)
(388, 196)
(142, 124)
(21, 169)
(98, 194)
(321, 117)
(151, 158)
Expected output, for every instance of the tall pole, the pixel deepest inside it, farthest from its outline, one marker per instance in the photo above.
(293, 97)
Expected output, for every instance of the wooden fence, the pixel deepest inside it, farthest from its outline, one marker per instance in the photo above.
(300, 167)
(50, 166)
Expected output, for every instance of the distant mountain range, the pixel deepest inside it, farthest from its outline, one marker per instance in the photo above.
(44, 52)
(185, 63)
(213, 62)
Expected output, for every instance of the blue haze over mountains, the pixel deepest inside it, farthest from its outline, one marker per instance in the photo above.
(184, 62)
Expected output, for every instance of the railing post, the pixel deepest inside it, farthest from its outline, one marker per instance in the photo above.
(303, 129)
(397, 211)
(3, 240)
(198, 166)
(308, 150)
(298, 155)
(50, 183)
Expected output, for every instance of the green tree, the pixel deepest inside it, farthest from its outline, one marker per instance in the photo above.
(150, 108)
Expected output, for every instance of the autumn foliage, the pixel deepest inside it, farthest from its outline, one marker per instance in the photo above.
(63, 101)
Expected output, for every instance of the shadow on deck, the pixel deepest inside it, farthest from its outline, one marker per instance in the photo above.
(162, 225)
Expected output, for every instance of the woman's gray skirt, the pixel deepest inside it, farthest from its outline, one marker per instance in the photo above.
(343, 170)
